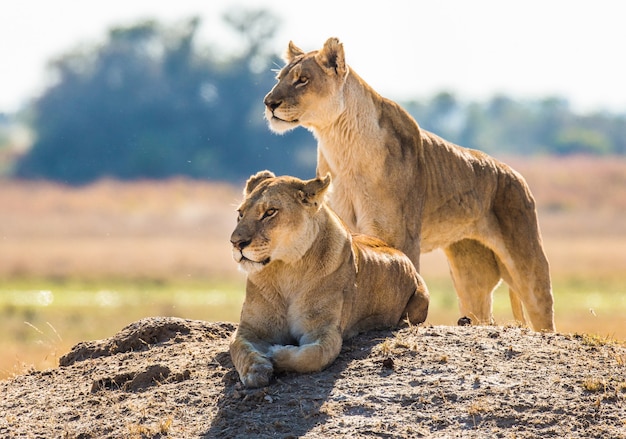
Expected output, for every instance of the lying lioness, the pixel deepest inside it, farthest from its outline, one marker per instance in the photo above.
(311, 283)
(414, 190)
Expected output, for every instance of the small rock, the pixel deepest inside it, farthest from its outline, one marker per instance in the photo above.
(464, 321)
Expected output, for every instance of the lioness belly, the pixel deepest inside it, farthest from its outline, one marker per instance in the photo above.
(441, 235)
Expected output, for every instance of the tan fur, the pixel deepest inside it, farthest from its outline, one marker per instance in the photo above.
(413, 189)
(311, 283)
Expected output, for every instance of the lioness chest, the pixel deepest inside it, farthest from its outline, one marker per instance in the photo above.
(355, 186)
(302, 304)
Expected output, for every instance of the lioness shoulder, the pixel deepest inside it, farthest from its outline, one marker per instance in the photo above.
(311, 283)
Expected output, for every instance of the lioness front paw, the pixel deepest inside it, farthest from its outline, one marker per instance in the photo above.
(283, 356)
(301, 359)
(258, 373)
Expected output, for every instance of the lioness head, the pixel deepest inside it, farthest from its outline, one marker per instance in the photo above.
(276, 219)
(308, 88)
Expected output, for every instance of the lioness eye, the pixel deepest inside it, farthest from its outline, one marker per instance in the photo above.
(269, 213)
(302, 80)
(239, 215)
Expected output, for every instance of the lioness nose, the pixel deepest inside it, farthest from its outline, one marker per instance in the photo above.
(272, 104)
(239, 243)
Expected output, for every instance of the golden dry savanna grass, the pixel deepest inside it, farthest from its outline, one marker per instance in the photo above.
(80, 263)
(158, 230)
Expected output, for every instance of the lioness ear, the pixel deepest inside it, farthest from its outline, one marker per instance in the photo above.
(332, 58)
(314, 190)
(257, 178)
(292, 52)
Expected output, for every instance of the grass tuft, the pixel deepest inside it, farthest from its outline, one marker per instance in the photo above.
(594, 385)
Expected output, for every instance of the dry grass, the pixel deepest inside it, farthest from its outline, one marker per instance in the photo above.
(593, 385)
(166, 241)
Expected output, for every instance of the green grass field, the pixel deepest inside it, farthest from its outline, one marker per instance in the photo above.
(42, 320)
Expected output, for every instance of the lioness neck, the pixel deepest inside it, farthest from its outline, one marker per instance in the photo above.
(359, 135)
(327, 252)
(357, 121)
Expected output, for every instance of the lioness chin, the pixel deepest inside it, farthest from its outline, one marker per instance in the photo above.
(311, 283)
(415, 190)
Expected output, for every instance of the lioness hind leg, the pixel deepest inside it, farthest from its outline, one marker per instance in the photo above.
(519, 248)
(525, 268)
(417, 308)
(530, 282)
(475, 273)
(516, 306)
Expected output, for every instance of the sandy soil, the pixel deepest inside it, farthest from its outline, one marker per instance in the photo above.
(168, 377)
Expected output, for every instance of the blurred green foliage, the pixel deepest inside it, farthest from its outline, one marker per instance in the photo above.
(506, 126)
(152, 103)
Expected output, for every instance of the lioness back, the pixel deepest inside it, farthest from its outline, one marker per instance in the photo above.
(383, 264)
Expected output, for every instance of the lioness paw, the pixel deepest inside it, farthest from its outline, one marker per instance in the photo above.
(303, 359)
(283, 356)
(257, 374)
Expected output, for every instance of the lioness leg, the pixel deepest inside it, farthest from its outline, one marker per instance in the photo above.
(516, 306)
(417, 308)
(247, 352)
(316, 351)
(525, 266)
(475, 273)
(516, 303)
(530, 282)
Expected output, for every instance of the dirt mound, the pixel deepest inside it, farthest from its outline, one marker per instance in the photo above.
(167, 377)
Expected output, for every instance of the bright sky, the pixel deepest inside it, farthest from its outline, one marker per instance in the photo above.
(404, 48)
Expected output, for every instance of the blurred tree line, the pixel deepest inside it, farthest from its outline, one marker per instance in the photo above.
(506, 126)
(152, 103)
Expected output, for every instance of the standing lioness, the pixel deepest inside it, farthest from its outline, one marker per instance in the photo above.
(311, 283)
(413, 189)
